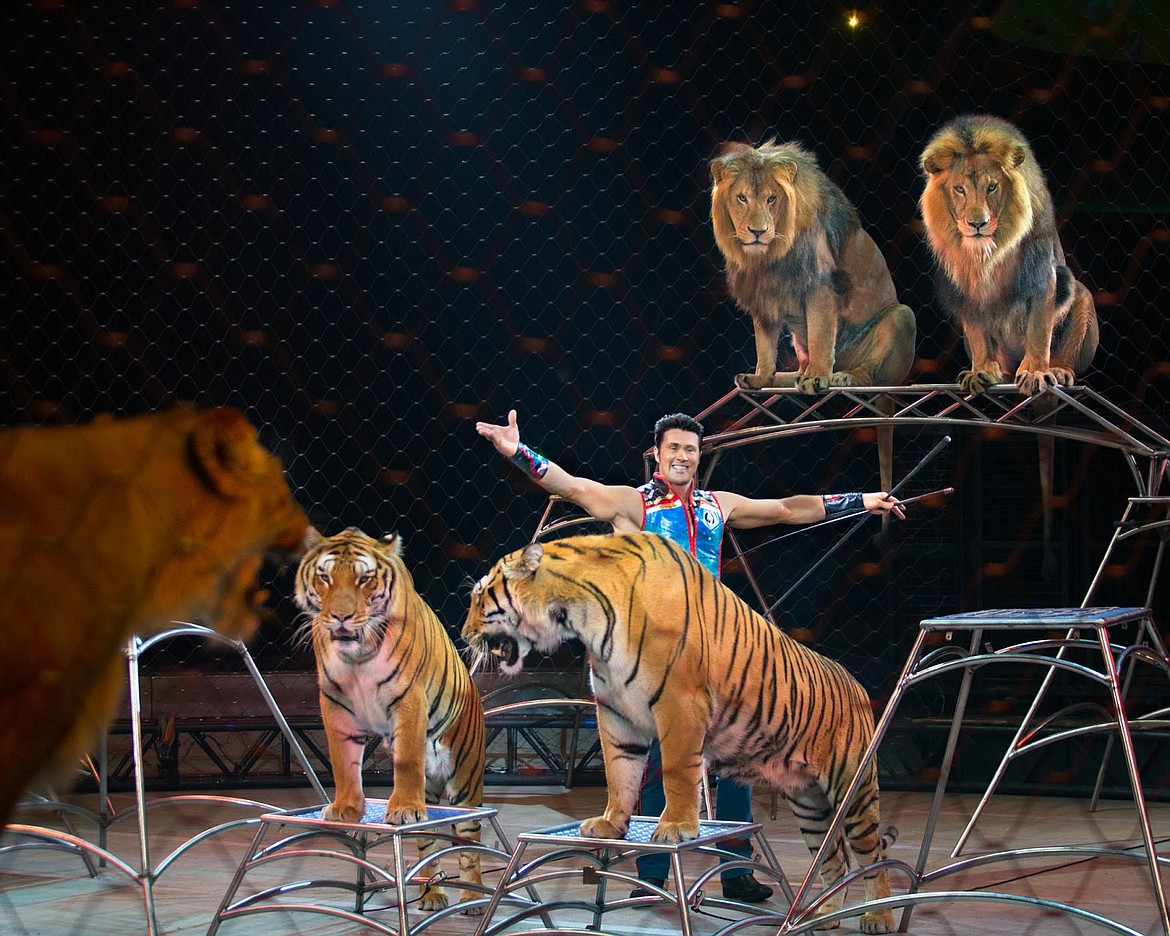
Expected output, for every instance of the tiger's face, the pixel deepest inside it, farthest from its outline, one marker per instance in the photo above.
(496, 624)
(346, 582)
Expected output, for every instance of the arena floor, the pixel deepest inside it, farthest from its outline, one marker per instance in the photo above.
(47, 892)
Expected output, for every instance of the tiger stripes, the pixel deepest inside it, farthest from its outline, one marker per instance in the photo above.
(676, 655)
(387, 668)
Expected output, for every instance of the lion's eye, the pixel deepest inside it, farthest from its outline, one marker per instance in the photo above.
(771, 199)
(959, 190)
(742, 198)
(991, 187)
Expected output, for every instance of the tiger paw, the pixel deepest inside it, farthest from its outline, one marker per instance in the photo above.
(402, 813)
(674, 832)
(600, 827)
(339, 811)
(432, 898)
(465, 896)
(877, 921)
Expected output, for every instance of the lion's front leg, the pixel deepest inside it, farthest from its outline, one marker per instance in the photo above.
(408, 801)
(985, 370)
(347, 750)
(816, 372)
(767, 335)
(624, 751)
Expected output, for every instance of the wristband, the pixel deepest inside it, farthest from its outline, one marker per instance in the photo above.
(838, 504)
(531, 463)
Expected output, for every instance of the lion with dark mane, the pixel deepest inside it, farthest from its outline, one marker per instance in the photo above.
(798, 260)
(1002, 276)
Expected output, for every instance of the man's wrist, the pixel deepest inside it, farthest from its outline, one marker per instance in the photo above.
(531, 463)
(837, 505)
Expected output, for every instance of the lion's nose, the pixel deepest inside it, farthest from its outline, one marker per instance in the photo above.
(758, 232)
(977, 226)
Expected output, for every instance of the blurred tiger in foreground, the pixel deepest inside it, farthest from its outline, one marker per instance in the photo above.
(386, 668)
(116, 529)
(676, 655)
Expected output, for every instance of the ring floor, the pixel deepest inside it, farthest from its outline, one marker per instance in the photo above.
(48, 892)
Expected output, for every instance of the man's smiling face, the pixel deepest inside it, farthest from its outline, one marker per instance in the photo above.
(678, 456)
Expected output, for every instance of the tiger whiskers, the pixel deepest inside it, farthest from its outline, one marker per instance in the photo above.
(302, 635)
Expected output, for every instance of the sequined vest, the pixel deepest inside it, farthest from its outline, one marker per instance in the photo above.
(697, 525)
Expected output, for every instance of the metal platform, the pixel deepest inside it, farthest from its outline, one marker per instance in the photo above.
(1098, 660)
(567, 848)
(351, 844)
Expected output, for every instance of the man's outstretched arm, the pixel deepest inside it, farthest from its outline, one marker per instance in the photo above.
(618, 504)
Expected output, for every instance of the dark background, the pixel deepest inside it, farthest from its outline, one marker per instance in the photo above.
(369, 224)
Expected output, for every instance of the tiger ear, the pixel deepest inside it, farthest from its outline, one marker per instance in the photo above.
(223, 447)
(525, 567)
(392, 545)
(312, 538)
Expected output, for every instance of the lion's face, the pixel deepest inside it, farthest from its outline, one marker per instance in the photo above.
(753, 201)
(753, 207)
(977, 188)
(976, 203)
(346, 583)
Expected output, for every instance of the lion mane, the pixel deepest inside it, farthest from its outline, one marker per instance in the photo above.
(1001, 274)
(797, 259)
(115, 529)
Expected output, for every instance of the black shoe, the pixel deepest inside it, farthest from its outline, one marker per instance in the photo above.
(746, 889)
(657, 882)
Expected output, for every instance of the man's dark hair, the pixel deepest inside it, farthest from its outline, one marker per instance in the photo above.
(677, 421)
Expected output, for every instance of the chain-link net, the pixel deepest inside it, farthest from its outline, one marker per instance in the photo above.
(369, 224)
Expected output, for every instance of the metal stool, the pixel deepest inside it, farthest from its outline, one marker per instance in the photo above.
(147, 873)
(604, 857)
(927, 661)
(353, 841)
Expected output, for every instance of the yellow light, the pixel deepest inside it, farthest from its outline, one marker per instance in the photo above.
(853, 21)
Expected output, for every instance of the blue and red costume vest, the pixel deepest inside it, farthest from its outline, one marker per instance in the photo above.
(695, 523)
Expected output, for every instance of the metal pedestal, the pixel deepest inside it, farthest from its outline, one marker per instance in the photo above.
(351, 844)
(606, 858)
(1107, 652)
(146, 873)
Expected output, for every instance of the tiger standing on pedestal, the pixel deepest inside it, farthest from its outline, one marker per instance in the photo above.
(386, 667)
(677, 656)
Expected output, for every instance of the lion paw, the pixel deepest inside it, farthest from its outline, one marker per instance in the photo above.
(675, 831)
(465, 896)
(877, 921)
(432, 898)
(841, 379)
(338, 811)
(813, 383)
(1031, 382)
(399, 813)
(977, 381)
(601, 827)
